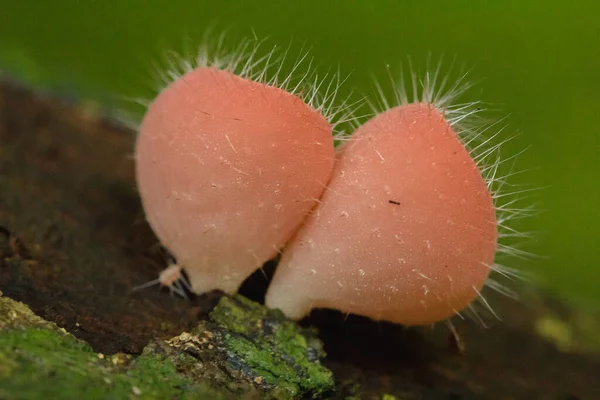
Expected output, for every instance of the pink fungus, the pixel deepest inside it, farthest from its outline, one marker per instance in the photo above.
(406, 231)
(227, 169)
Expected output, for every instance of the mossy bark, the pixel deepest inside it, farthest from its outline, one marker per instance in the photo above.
(38, 360)
(243, 342)
(238, 353)
(73, 242)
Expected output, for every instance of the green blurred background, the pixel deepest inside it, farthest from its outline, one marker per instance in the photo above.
(539, 61)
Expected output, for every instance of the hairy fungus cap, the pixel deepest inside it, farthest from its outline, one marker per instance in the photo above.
(405, 232)
(227, 169)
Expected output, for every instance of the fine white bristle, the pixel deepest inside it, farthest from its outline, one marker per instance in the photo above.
(251, 60)
(171, 277)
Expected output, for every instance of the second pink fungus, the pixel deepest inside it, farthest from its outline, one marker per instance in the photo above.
(406, 231)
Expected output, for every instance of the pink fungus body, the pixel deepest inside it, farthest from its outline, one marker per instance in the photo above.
(405, 232)
(227, 169)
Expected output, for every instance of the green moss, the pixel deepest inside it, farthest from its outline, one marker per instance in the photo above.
(271, 349)
(265, 365)
(239, 315)
(37, 363)
(161, 380)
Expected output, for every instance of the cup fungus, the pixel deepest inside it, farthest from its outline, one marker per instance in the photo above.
(228, 166)
(406, 231)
